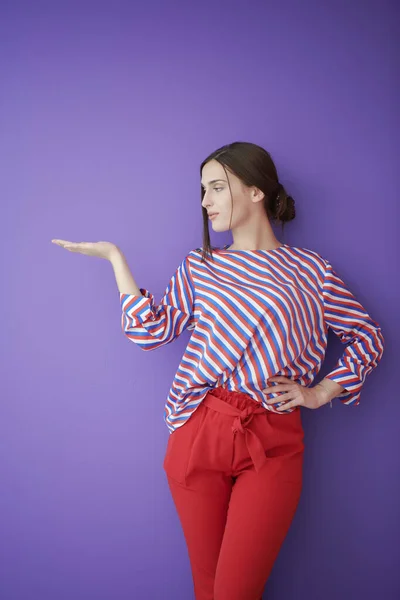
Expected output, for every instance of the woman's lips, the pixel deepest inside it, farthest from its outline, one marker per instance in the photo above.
(213, 216)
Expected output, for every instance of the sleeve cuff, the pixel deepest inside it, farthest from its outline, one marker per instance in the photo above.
(351, 393)
(137, 309)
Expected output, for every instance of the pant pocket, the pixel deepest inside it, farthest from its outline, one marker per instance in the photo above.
(180, 443)
(287, 448)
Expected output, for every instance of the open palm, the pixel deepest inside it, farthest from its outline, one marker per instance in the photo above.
(99, 249)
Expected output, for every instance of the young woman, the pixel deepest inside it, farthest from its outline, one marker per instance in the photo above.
(259, 311)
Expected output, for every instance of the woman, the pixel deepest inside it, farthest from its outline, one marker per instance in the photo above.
(259, 311)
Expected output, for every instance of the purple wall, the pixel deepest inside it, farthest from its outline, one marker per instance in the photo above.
(107, 111)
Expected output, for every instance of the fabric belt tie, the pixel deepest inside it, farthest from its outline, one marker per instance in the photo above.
(240, 424)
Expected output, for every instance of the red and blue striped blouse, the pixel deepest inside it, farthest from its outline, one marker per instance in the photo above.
(254, 314)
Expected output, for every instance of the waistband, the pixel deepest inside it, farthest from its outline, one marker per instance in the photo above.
(243, 417)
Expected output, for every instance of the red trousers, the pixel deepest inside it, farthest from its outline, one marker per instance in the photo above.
(235, 474)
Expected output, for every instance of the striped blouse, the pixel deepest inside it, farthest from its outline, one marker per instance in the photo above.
(254, 314)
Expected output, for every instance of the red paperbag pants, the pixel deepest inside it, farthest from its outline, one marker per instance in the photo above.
(235, 474)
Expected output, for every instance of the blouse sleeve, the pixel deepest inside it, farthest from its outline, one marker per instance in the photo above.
(151, 326)
(362, 335)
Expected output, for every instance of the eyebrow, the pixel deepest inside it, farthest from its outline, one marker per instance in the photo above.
(214, 181)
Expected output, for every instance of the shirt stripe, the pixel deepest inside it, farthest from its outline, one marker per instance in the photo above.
(254, 314)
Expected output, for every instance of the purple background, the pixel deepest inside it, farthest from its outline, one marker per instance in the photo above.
(107, 110)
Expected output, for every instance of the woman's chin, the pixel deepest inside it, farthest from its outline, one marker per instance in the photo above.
(216, 224)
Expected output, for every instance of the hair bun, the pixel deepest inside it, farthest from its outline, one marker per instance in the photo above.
(291, 211)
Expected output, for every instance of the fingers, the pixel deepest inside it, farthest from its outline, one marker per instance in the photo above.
(282, 390)
(66, 245)
(286, 405)
(80, 247)
(61, 242)
(278, 387)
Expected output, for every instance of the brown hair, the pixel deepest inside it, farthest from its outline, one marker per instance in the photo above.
(253, 165)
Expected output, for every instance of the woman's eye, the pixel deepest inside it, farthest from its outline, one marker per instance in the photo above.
(218, 188)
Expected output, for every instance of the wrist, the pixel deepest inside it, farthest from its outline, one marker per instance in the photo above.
(324, 395)
(330, 389)
(115, 254)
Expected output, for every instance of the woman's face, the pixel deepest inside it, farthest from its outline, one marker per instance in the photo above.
(217, 198)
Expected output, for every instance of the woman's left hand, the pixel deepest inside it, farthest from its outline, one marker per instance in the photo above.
(294, 394)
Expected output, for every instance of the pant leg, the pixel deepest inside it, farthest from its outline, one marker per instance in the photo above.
(261, 510)
(197, 464)
(203, 518)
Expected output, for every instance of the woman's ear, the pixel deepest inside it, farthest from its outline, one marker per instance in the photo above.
(257, 194)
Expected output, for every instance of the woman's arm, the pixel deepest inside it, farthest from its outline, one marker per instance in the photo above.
(123, 276)
(362, 335)
(145, 323)
(331, 389)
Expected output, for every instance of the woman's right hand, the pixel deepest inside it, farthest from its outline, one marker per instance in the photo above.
(100, 249)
